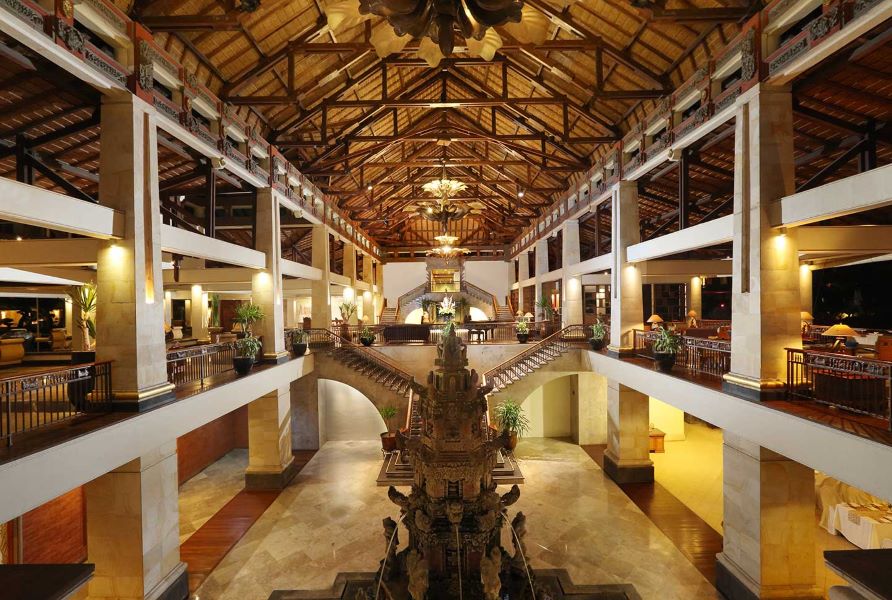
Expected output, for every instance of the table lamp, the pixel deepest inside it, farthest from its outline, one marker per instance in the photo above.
(840, 331)
(692, 318)
(655, 321)
(806, 318)
(529, 316)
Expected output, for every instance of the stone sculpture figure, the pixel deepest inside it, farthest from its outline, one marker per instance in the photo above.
(490, 567)
(519, 527)
(417, 567)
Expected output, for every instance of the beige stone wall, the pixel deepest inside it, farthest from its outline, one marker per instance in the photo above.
(628, 426)
(269, 433)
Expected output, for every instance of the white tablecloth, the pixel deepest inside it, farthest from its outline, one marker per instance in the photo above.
(865, 526)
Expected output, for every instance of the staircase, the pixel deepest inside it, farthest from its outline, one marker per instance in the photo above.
(503, 313)
(389, 316)
(536, 357)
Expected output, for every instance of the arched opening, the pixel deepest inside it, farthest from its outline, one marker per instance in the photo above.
(549, 408)
(346, 414)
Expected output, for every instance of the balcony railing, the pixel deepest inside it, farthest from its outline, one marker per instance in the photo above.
(198, 363)
(488, 332)
(702, 355)
(859, 385)
(33, 401)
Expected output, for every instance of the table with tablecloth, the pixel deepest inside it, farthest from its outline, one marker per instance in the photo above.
(866, 526)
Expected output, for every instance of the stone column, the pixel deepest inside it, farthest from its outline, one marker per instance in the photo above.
(379, 282)
(571, 286)
(765, 301)
(133, 530)
(266, 283)
(270, 461)
(769, 524)
(129, 296)
(626, 305)
(589, 410)
(350, 262)
(805, 289)
(523, 273)
(695, 296)
(307, 430)
(541, 270)
(320, 311)
(199, 317)
(368, 298)
(627, 459)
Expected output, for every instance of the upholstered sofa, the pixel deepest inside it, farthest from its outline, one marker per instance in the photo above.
(12, 350)
(407, 332)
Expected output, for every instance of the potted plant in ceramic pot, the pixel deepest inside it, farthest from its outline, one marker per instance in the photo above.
(512, 421)
(599, 336)
(522, 330)
(246, 314)
(246, 350)
(299, 342)
(348, 309)
(367, 336)
(666, 346)
(548, 316)
(388, 438)
(83, 299)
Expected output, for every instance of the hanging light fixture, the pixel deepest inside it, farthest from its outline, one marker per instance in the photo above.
(443, 210)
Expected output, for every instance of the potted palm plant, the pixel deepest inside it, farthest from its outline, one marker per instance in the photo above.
(83, 298)
(214, 329)
(599, 336)
(666, 346)
(522, 330)
(510, 418)
(348, 309)
(246, 314)
(299, 342)
(547, 313)
(367, 336)
(388, 438)
(246, 350)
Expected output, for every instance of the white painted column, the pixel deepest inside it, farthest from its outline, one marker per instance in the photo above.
(270, 461)
(695, 296)
(133, 530)
(541, 270)
(320, 311)
(769, 524)
(765, 301)
(129, 296)
(805, 289)
(368, 298)
(523, 273)
(626, 304)
(199, 317)
(379, 295)
(571, 287)
(266, 283)
(627, 458)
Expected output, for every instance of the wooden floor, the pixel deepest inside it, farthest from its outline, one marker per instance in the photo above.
(691, 535)
(205, 548)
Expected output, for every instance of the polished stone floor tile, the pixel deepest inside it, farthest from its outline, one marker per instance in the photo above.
(206, 493)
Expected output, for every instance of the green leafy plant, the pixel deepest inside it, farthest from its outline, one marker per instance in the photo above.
(348, 309)
(246, 314)
(367, 334)
(667, 342)
(522, 328)
(298, 336)
(509, 416)
(247, 346)
(83, 297)
(599, 330)
(546, 307)
(387, 413)
(214, 317)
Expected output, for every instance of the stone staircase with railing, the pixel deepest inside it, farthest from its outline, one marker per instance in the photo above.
(389, 316)
(503, 313)
(528, 370)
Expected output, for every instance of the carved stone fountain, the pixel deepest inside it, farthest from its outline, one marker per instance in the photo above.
(454, 515)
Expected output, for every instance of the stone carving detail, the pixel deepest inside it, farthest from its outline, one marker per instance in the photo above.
(146, 76)
(192, 80)
(748, 56)
(490, 567)
(823, 24)
(791, 52)
(862, 6)
(73, 39)
(24, 12)
(108, 14)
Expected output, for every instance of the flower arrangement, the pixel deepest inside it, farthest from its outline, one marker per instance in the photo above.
(446, 310)
(522, 327)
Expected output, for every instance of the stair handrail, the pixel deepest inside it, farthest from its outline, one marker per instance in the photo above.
(418, 290)
(370, 354)
(559, 338)
(478, 292)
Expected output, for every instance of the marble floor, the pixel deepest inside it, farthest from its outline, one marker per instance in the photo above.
(206, 493)
(329, 520)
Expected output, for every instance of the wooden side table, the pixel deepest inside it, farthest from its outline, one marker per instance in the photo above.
(657, 439)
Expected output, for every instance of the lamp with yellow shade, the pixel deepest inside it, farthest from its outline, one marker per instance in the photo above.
(806, 318)
(841, 332)
(655, 321)
(692, 318)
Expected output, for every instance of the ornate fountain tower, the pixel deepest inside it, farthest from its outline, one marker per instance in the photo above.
(453, 514)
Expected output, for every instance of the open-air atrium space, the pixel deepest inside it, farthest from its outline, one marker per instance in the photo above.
(445, 299)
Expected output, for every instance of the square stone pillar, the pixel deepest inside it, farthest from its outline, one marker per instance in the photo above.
(695, 296)
(350, 262)
(765, 301)
(133, 530)
(320, 311)
(626, 304)
(266, 283)
(307, 430)
(805, 289)
(369, 314)
(571, 287)
(769, 524)
(541, 270)
(270, 461)
(379, 285)
(129, 295)
(523, 273)
(199, 317)
(627, 458)
(589, 408)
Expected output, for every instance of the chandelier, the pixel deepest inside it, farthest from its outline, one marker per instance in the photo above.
(443, 211)
(444, 187)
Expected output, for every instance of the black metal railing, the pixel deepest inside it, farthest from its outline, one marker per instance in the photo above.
(485, 332)
(860, 385)
(702, 355)
(35, 400)
(198, 363)
(532, 358)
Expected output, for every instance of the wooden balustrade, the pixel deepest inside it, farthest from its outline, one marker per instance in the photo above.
(712, 357)
(198, 363)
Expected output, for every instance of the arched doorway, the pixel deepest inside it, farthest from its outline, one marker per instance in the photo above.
(346, 414)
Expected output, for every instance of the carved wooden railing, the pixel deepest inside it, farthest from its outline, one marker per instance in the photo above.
(198, 363)
(860, 385)
(477, 292)
(572, 336)
(33, 401)
(702, 355)
(412, 295)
